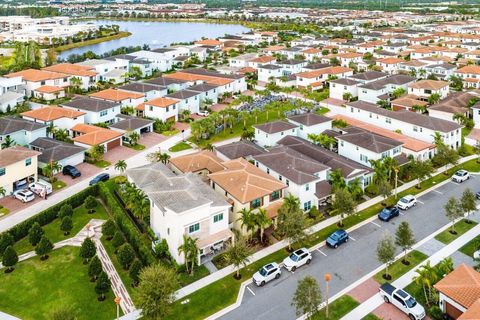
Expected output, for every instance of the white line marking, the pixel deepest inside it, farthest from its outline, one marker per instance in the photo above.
(420, 202)
(321, 252)
(401, 213)
(251, 291)
(376, 224)
(350, 237)
(437, 191)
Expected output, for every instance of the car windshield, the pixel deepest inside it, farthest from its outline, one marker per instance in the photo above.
(294, 257)
(404, 200)
(386, 211)
(335, 236)
(411, 302)
(263, 272)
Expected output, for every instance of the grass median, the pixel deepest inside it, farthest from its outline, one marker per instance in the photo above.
(398, 269)
(337, 309)
(461, 227)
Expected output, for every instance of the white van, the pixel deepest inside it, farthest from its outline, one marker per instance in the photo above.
(40, 186)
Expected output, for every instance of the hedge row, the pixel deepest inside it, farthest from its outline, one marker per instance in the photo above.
(20, 230)
(126, 226)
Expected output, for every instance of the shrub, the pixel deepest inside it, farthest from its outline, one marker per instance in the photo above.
(126, 255)
(35, 234)
(87, 250)
(435, 312)
(43, 248)
(6, 240)
(118, 239)
(314, 213)
(108, 229)
(161, 250)
(67, 225)
(91, 204)
(10, 258)
(95, 268)
(65, 210)
(135, 271)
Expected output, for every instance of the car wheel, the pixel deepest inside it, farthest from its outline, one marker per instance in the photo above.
(309, 260)
(277, 276)
(412, 317)
(346, 240)
(262, 283)
(294, 268)
(335, 246)
(386, 299)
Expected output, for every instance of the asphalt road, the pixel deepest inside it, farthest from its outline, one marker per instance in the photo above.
(352, 260)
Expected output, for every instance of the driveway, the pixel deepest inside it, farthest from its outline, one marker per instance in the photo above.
(350, 261)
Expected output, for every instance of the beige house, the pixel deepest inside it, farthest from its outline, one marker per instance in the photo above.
(18, 167)
(202, 163)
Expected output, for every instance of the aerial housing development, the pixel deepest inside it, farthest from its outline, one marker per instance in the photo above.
(240, 160)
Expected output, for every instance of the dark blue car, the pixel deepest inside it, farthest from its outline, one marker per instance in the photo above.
(337, 238)
(388, 213)
(99, 178)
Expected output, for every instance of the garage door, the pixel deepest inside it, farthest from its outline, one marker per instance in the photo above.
(113, 144)
(452, 311)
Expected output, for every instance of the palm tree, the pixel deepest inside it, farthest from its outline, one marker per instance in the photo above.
(244, 115)
(121, 166)
(238, 254)
(336, 179)
(61, 134)
(380, 172)
(434, 98)
(383, 104)
(209, 147)
(426, 276)
(75, 83)
(3, 192)
(51, 129)
(185, 114)
(262, 221)
(8, 142)
(190, 250)
(355, 188)
(290, 201)
(419, 109)
(247, 220)
(133, 137)
(51, 169)
(159, 156)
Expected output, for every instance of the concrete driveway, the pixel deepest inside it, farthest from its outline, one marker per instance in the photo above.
(350, 261)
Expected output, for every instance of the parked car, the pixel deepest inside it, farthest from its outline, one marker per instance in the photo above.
(71, 171)
(403, 301)
(477, 194)
(297, 259)
(337, 238)
(460, 176)
(24, 195)
(388, 213)
(407, 202)
(203, 113)
(40, 187)
(101, 177)
(267, 273)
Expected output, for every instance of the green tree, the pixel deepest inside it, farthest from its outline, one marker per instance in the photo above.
(343, 204)
(91, 204)
(126, 255)
(121, 166)
(87, 250)
(109, 229)
(7, 143)
(397, 93)
(386, 253)
(453, 211)
(384, 189)
(190, 251)
(95, 268)
(427, 277)
(468, 203)
(9, 259)
(237, 254)
(405, 239)
(434, 98)
(291, 221)
(118, 240)
(134, 272)
(262, 221)
(43, 248)
(6, 240)
(247, 220)
(307, 297)
(65, 210)
(337, 180)
(66, 225)
(35, 234)
(102, 286)
(421, 170)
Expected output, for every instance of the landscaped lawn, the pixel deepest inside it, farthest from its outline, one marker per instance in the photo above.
(36, 287)
(337, 309)
(322, 111)
(54, 234)
(461, 227)
(59, 184)
(471, 246)
(170, 133)
(398, 269)
(4, 211)
(102, 164)
(371, 316)
(180, 147)
(199, 272)
(137, 146)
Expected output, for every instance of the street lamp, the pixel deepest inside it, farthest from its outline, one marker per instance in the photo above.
(117, 302)
(396, 180)
(327, 278)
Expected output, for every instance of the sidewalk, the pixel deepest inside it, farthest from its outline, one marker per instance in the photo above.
(375, 301)
(282, 244)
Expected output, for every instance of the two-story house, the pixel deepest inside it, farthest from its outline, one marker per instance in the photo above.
(310, 123)
(425, 88)
(267, 134)
(150, 91)
(165, 109)
(124, 98)
(21, 131)
(96, 110)
(59, 118)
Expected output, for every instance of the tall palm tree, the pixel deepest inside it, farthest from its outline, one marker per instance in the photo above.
(61, 134)
(121, 166)
(427, 277)
(51, 169)
(133, 137)
(3, 192)
(291, 202)
(262, 221)
(51, 129)
(8, 142)
(247, 220)
(336, 179)
(355, 188)
(238, 254)
(190, 250)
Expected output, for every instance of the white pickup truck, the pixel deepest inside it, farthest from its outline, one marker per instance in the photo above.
(403, 301)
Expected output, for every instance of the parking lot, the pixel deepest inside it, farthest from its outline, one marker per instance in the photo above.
(352, 260)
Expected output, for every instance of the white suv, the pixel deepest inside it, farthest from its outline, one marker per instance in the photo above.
(460, 176)
(24, 195)
(297, 259)
(407, 202)
(266, 274)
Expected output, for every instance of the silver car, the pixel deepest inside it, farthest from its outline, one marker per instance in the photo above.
(266, 274)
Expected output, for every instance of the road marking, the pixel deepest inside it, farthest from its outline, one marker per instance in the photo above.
(401, 213)
(376, 224)
(251, 291)
(321, 252)
(350, 237)
(437, 191)
(420, 202)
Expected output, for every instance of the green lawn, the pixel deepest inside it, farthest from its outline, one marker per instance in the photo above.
(180, 147)
(53, 232)
(398, 269)
(36, 287)
(337, 308)
(59, 184)
(170, 133)
(102, 164)
(371, 316)
(4, 211)
(322, 111)
(460, 226)
(199, 272)
(137, 146)
(471, 246)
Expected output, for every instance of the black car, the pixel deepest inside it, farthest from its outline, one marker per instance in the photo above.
(388, 213)
(71, 171)
(101, 177)
(477, 194)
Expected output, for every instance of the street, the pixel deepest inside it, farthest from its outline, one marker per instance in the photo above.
(352, 260)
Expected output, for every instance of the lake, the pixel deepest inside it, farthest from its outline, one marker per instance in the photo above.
(157, 34)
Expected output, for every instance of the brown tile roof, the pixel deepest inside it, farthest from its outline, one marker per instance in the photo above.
(274, 48)
(72, 69)
(161, 102)
(49, 113)
(49, 89)
(312, 51)
(93, 135)
(14, 154)
(329, 70)
(263, 59)
(196, 77)
(429, 84)
(471, 69)
(390, 60)
(244, 181)
(34, 75)
(202, 160)
(209, 42)
(461, 285)
(116, 95)
(408, 101)
(472, 313)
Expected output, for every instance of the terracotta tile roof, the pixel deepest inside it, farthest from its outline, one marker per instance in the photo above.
(390, 60)
(140, 107)
(350, 55)
(72, 69)
(247, 70)
(244, 181)
(317, 73)
(471, 69)
(472, 313)
(161, 102)
(461, 285)
(49, 89)
(263, 59)
(272, 209)
(116, 95)
(196, 77)
(202, 160)
(209, 42)
(93, 135)
(49, 113)
(312, 51)
(14, 154)
(429, 84)
(274, 48)
(34, 75)
(409, 101)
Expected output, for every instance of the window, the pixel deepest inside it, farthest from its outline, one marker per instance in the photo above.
(103, 113)
(287, 182)
(194, 228)
(256, 203)
(275, 195)
(151, 108)
(268, 170)
(28, 162)
(218, 217)
(363, 158)
(415, 128)
(167, 109)
(2, 171)
(341, 143)
(280, 177)
(307, 205)
(307, 187)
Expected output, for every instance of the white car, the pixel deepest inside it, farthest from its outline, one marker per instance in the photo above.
(460, 176)
(203, 113)
(407, 202)
(297, 259)
(266, 274)
(24, 195)
(40, 187)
